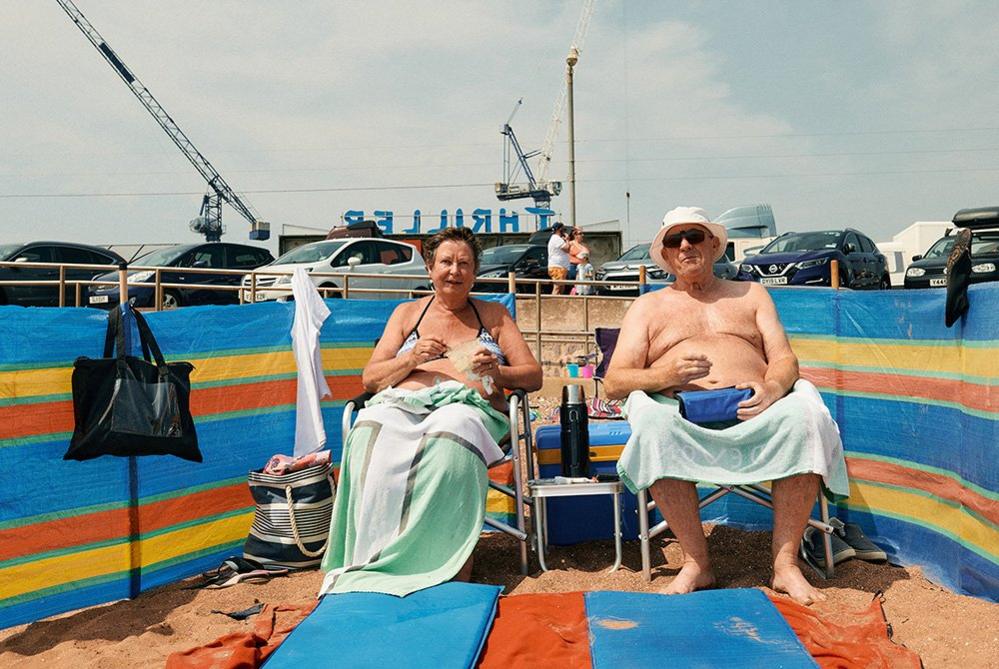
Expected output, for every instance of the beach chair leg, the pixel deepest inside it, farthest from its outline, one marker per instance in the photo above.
(826, 537)
(643, 534)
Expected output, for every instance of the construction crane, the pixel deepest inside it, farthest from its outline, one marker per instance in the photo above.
(209, 221)
(538, 187)
(507, 189)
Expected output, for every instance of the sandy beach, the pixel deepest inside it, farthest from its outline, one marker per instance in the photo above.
(945, 629)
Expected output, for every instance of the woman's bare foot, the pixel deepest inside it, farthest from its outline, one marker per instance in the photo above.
(789, 580)
(692, 577)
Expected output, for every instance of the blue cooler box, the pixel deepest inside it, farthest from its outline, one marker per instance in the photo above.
(586, 518)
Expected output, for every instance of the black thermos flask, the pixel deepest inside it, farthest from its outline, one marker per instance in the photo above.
(575, 434)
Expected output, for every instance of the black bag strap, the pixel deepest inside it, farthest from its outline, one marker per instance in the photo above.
(114, 322)
(111, 335)
(147, 339)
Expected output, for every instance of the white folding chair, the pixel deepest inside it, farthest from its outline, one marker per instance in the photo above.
(520, 433)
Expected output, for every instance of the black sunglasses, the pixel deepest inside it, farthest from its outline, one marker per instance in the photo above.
(694, 236)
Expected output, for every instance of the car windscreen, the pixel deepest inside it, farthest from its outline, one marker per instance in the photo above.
(161, 258)
(640, 252)
(309, 253)
(804, 241)
(982, 244)
(502, 255)
(7, 250)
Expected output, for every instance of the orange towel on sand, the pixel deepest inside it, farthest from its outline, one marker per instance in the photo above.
(538, 630)
(863, 642)
(245, 650)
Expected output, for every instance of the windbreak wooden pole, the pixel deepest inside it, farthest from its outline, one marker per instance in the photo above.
(122, 283)
(834, 273)
(62, 285)
(641, 279)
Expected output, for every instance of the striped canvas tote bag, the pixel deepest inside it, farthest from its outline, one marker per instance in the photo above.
(291, 521)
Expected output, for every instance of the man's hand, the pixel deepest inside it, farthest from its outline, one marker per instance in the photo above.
(427, 348)
(685, 369)
(764, 394)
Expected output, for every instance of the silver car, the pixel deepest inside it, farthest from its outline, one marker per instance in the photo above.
(378, 258)
(626, 268)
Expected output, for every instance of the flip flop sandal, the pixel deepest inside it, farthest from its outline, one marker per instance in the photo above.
(238, 569)
(227, 579)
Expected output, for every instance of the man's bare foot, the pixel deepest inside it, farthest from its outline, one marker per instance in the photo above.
(692, 577)
(789, 580)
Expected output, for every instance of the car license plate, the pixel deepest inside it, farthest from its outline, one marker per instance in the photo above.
(773, 280)
(941, 281)
(98, 299)
(260, 297)
(622, 286)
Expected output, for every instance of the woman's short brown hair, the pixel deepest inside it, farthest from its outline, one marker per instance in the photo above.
(451, 235)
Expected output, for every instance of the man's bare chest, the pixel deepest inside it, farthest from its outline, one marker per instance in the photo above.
(692, 321)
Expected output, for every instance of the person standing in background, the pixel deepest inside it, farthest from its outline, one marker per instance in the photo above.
(584, 272)
(558, 257)
(576, 249)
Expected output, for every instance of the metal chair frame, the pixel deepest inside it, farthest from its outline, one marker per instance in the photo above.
(520, 431)
(606, 338)
(753, 492)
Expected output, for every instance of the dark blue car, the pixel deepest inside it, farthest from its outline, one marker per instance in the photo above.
(804, 259)
(221, 255)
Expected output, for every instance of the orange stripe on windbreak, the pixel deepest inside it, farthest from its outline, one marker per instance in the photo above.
(938, 485)
(971, 395)
(25, 420)
(502, 473)
(106, 525)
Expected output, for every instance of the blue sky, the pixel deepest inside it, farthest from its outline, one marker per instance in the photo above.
(864, 114)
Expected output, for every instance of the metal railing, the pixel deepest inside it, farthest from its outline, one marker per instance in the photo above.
(248, 290)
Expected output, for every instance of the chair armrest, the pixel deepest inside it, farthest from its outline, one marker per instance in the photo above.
(359, 401)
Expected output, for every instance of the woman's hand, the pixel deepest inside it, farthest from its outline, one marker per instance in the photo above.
(485, 363)
(426, 349)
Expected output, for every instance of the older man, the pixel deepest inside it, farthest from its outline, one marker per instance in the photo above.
(704, 333)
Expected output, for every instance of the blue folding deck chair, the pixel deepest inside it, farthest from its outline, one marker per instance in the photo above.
(606, 339)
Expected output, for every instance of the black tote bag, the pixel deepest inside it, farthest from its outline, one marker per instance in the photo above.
(124, 405)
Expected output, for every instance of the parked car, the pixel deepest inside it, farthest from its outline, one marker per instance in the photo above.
(209, 255)
(627, 267)
(803, 259)
(54, 252)
(383, 257)
(527, 261)
(930, 270)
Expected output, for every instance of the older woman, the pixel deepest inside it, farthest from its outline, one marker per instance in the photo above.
(413, 483)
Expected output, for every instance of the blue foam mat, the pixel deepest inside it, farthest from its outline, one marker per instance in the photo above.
(442, 626)
(738, 628)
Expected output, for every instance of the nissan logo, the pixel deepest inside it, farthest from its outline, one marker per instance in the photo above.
(773, 269)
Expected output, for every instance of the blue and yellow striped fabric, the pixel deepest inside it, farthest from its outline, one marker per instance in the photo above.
(75, 534)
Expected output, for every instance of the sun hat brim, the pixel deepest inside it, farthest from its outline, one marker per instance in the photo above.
(656, 248)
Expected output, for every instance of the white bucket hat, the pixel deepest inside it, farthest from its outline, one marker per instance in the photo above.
(686, 216)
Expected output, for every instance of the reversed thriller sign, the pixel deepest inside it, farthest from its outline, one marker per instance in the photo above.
(480, 220)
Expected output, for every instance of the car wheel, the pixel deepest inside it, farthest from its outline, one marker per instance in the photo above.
(885, 282)
(171, 300)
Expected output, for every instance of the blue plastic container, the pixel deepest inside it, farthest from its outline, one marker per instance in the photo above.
(575, 519)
